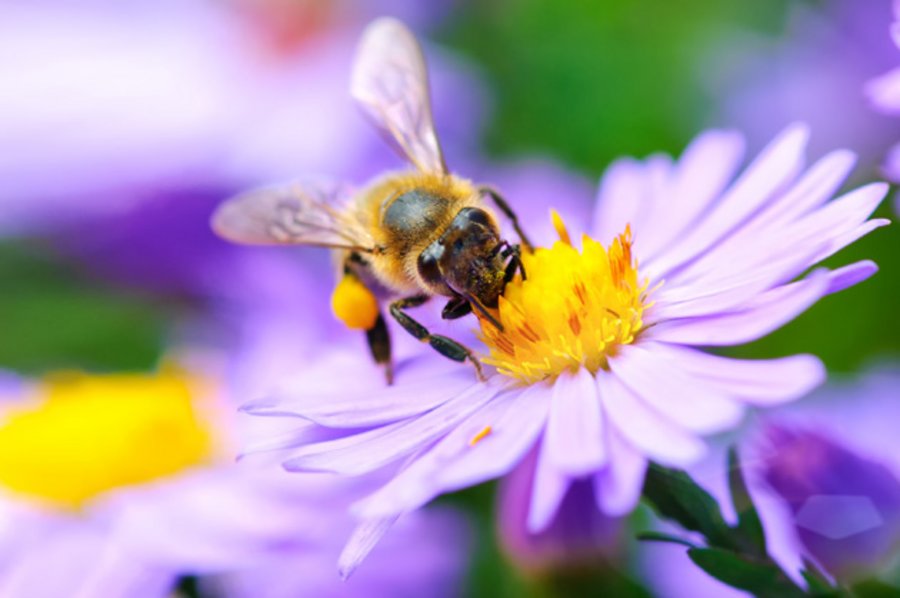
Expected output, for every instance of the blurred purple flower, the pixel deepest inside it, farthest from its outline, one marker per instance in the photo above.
(579, 536)
(130, 529)
(846, 508)
(814, 72)
(723, 252)
(884, 93)
(836, 452)
(122, 127)
(825, 475)
(426, 555)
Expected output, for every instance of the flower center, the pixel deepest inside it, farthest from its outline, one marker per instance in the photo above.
(573, 309)
(90, 434)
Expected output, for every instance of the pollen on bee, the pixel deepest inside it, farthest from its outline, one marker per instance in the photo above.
(354, 304)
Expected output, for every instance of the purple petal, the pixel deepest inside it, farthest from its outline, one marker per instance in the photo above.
(511, 436)
(487, 445)
(292, 438)
(361, 542)
(815, 187)
(622, 190)
(841, 217)
(206, 521)
(369, 406)
(373, 449)
(850, 275)
(548, 490)
(884, 92)
(766, 313)
(736, 282)
(618, 487)
(76, 558)
(654, 435)
(573, 442)
(683, 399)
(840, 241)
(758, 382)
(704, 169)
(760, 183)
(741, 252)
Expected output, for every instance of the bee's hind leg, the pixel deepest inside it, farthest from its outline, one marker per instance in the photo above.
(503, 206)
(380, 345)
(445, 346)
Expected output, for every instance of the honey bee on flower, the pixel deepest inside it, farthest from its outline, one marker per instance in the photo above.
(411, 235)
(599, 365)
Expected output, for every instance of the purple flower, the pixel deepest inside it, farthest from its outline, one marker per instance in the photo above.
(813, 72)
(579, 536)
(829, 473)
(597, 367)
(172, 106)
(884, 93)
(825, 475)
(846, 507)
(115, 485)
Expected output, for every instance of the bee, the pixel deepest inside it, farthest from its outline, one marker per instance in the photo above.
(407, 236)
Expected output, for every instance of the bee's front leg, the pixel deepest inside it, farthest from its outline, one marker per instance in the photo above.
(457, 307)
(504, 207)
(445, 346)
(514, 254)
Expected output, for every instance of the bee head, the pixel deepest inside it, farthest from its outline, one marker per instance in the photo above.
(466, 260)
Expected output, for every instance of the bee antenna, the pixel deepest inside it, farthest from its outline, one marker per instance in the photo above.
(484, 312)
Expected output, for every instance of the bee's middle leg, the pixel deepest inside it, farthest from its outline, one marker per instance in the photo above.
(445, 346)
(504, 207)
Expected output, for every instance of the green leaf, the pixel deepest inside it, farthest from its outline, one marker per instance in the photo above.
(874, 588)
(749, 527)
(674, 495)
(816, 582)
(662, 537)
(764, 580)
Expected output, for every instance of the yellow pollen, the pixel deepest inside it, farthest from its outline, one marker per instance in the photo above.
(480, 436)
(560, 227)
(86, 435)
(573, 310)
(354, 304)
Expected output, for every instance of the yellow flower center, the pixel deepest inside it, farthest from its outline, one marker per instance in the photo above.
(573, 309)
(86, 435)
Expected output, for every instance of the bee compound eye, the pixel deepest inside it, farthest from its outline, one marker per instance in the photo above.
(476, 216)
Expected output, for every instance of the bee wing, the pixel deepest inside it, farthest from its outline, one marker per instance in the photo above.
(390, 82)
(309, 212)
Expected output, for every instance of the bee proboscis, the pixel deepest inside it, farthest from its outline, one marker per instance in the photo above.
(410, 235)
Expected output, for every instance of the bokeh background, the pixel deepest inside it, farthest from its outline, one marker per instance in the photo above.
(123, 123)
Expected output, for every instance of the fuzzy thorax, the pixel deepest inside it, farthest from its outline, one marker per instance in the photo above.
(573, 309)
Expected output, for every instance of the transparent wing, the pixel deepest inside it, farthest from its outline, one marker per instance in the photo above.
(308, 212)
(390, 82)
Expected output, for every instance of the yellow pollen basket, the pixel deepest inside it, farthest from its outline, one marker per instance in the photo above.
(573, 309)
(354, 304)
(87, 435)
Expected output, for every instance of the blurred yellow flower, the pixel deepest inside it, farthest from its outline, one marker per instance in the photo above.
(87, 434)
